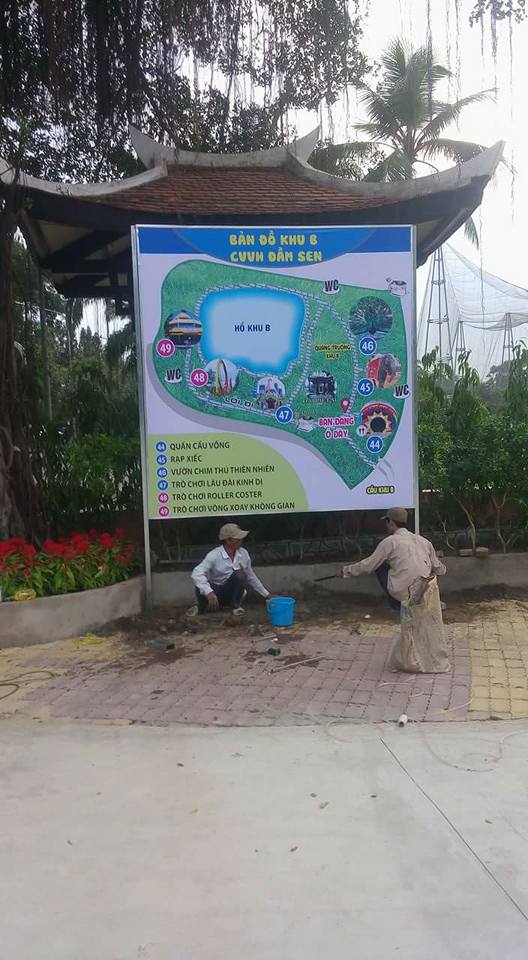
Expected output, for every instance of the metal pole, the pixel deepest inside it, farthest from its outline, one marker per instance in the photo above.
(142, 418)
(414, 387)
(429, 313)
(44, 344)
(446, 314)
(440, 357)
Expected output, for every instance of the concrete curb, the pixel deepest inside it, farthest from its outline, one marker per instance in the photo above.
(70, 615)
(463, 573)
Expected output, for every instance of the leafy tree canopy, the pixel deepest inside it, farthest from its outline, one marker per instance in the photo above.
(89, 67)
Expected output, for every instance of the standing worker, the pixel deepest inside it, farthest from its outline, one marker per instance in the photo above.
(407, 566)
(225, 573)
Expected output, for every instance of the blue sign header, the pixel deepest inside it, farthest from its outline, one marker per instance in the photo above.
(274, 246)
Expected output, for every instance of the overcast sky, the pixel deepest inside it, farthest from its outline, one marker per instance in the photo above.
(503, 236)
(503, 224)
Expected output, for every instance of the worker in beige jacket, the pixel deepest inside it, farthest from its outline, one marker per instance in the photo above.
(407, 566)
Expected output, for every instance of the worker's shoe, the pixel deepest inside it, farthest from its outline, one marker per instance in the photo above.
(239, 612)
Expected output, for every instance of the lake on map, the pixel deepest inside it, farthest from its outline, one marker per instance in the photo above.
(256, 329)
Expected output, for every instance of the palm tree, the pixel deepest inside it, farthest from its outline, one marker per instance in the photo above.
(406, 122)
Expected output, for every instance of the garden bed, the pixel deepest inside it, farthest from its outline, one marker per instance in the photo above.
(70, 615)
(54, 618)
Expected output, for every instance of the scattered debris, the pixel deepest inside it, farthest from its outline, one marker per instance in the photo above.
(89, 640)
(313, 795)
(295, 662)
(402, 720)
(373, 796)
(293, 849)
(368, 616)
(270, 636)
(180, 764)
(273, 652)
(323, 805)
(161, 643)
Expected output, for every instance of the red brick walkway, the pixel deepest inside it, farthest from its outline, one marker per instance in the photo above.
(222, 677)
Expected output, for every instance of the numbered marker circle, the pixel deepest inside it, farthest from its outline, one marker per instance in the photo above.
(163, 498)
(367, 345)
(365, 387)
(164, 511)
(165, 347)
(161, 459)
(160, 446)
(284, 414)
(163, 485)
(198, 378)
(375, 444)
(361, 430)
(162, 471)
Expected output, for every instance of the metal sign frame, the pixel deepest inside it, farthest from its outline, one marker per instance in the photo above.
(142, 406)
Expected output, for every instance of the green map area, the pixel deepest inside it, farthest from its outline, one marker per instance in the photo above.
(339, 383)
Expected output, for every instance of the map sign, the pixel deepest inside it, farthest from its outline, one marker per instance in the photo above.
(277, 368)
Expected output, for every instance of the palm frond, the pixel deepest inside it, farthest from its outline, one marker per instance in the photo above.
(380, 111)
(376, 138)
(457, 150)
(396, 166)
(394, 60)
(471, 233)
(332, 157)
(120, 344)
(448, 113)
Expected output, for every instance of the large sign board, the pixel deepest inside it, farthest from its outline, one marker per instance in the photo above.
(277, 368)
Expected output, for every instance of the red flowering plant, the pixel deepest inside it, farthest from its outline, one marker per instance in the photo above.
(83, 561)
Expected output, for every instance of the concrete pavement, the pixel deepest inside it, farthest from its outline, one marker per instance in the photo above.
(342, 840)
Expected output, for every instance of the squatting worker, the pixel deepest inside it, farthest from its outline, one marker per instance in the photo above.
(407, 566)
(223, 576)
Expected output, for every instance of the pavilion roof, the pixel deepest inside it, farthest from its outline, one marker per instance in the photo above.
(80, 233)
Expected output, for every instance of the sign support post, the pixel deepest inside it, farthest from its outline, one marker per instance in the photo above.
(142, 421)
(414, 382)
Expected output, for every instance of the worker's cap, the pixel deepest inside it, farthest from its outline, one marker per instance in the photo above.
(398, 514)
(231, 531)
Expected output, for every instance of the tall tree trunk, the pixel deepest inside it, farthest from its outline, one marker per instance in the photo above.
(44, 343)
(498, 506)
(472, 528)
(19, 513)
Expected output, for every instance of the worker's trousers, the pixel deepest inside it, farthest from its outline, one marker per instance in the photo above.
(230, 594)
(382, 574)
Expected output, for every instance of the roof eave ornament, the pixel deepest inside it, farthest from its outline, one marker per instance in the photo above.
(152, 154)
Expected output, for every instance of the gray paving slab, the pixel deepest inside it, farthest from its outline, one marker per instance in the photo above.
(181, 843)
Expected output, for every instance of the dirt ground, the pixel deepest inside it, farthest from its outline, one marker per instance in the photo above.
(215, 669)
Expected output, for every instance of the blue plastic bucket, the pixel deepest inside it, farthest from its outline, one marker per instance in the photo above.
(280, 610)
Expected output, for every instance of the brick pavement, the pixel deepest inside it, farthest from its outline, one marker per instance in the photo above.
(221, 676)
(225, 679)
(499, 658)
